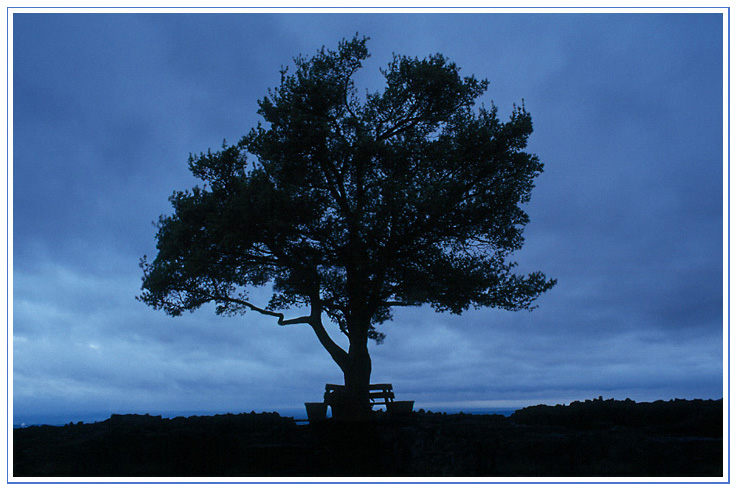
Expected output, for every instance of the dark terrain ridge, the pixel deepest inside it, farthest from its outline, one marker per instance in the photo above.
(595, 438)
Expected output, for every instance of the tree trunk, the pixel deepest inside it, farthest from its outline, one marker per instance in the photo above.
(356, 376)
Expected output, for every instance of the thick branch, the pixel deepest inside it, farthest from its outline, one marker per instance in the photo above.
(339, 355)
(334, 350)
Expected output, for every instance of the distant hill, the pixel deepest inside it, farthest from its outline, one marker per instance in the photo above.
(595, 438)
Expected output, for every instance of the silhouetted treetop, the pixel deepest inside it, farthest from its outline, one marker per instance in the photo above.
(353, 205)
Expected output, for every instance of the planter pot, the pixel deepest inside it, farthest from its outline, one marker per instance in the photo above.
(316, 411)
(400, 407)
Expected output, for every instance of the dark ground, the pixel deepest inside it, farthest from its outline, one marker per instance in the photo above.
(583, 439)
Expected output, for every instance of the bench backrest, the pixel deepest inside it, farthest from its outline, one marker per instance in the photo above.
(387, 395)
(380, 387)
(381, 391)
(372, 387)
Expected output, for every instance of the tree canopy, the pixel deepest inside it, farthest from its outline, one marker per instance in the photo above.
(353, 205)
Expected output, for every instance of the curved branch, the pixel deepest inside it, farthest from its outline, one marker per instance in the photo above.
(338, 355)
(280, 321)
(334, 350)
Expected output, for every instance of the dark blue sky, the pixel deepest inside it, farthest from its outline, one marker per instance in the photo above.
(627, 112)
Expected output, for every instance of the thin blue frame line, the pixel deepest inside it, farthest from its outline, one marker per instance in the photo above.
(728, 245)
(7, 238)
(342, 7)
(7, 283)
(362, 483)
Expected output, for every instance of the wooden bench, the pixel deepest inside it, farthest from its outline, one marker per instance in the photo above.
(379, 394)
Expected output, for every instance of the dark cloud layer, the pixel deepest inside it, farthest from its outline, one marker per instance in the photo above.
(627, 215)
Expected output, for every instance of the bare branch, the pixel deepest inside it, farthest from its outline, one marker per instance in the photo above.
(336, 352)
(280, 321)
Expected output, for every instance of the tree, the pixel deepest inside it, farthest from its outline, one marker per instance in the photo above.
(349, 207)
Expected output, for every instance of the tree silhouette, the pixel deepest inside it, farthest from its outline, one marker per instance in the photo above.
(350, 206)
